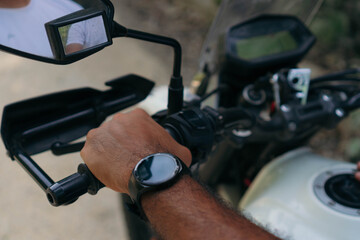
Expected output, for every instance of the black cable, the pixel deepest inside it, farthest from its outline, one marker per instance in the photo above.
(334, 76)
(338, 88)
(206, 96)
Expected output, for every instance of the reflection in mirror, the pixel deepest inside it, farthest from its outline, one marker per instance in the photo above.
(22, 23)
(83, 35)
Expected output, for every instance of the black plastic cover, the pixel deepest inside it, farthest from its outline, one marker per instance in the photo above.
(36, 124)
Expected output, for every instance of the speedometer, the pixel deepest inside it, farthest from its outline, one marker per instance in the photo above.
(264, 44)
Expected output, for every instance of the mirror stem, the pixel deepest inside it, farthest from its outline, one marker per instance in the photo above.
(176, 88)
(160, 40)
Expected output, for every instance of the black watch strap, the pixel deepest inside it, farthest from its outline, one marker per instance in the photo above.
(138, 188)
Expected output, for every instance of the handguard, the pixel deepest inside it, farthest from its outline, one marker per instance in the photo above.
(53, 121)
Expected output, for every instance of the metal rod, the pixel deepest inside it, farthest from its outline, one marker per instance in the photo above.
(40, 177)
(176, 87)
(164, 41)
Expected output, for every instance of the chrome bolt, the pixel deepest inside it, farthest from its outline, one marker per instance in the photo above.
(241, 133)
(285, 108)
(275, 78)
(340, 113)
(326, 98)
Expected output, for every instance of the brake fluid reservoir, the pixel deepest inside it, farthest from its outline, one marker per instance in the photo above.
(301, 195)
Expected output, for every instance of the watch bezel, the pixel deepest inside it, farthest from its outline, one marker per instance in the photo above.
(137, 188)
(175, 171)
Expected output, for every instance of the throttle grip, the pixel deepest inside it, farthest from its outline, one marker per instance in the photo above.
(69, 189)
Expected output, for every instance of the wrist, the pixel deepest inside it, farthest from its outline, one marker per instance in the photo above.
(150, 201)
(154, 173)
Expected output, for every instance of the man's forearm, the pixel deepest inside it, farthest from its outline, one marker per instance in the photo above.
(188, 211)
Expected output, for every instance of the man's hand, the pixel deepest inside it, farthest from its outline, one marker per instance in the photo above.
(357, 174)
(112, 150)
(185, 210)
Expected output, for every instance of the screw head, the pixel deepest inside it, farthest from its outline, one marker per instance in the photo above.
(340, 113)
(285, 108)
(326, 98)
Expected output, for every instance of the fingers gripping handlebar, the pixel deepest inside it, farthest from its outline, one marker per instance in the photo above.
(193, 128)
(196, 129)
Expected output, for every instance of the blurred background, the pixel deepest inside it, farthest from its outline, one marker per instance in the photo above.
(24, 210)
(336, 26)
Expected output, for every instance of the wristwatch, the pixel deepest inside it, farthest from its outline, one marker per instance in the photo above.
(153, 173)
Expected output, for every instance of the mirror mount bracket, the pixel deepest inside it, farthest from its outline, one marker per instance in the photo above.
(176, 88)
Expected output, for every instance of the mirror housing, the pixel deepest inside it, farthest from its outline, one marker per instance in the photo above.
(104, 6)
(59, 31)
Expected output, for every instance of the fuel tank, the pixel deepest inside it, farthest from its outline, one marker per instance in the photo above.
(301, 195)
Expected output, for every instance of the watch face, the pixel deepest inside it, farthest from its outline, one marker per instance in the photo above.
(156, 169)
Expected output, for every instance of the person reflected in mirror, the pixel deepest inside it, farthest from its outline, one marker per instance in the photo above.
(184, 210)
(22, 23)
(357, 174)
(86, 34)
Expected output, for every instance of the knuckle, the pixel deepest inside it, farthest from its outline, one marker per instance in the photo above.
(118, 117)
(91, 134)
(140, 112)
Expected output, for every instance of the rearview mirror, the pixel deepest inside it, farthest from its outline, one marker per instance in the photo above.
(78, 34)
(93, 25)
(23, 31)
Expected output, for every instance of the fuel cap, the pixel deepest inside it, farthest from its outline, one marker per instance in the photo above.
(339, 190)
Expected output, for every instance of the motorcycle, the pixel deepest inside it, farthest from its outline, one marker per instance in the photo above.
(247, 135)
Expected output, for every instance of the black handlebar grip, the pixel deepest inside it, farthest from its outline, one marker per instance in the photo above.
(69, 189)
(94, 184)
(173, 134)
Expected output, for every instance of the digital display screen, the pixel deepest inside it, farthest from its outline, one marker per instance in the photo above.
(266, 45)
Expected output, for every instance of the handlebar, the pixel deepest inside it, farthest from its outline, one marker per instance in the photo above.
(65, 191)
(194, 128)
(71, 188)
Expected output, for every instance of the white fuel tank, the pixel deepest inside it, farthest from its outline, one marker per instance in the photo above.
(290, 197)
